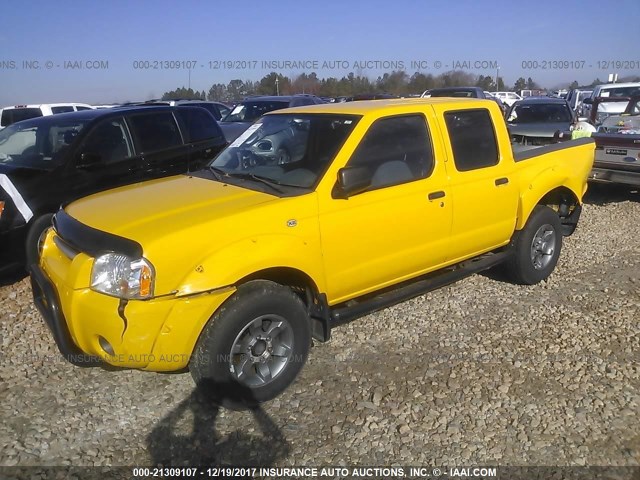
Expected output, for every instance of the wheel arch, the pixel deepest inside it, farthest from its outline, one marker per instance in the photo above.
(562, 199)
(306, 288)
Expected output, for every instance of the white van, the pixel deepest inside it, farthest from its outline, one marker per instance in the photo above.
(17, 113)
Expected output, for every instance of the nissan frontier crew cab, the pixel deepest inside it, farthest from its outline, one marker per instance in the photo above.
(231, 271)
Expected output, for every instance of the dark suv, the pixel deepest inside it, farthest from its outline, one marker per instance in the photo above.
(252, 108)
(49, 161)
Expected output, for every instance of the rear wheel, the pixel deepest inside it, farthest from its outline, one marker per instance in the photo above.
(254, 345)
(536, 247)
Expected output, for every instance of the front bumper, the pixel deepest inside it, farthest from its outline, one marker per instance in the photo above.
(92, 329)
(48, 304)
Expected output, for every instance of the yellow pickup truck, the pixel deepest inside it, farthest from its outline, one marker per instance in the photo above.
(312, 217)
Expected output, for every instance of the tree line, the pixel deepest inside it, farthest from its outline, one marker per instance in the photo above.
(396, 83)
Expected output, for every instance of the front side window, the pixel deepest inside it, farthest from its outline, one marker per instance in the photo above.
(395, 150)
(39, 143)
(107, 142)
(285, 150)
(155, 131)
(473, 140)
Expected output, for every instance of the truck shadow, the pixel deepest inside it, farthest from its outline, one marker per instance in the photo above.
(187, 436)
(604, 194)
(12, 276)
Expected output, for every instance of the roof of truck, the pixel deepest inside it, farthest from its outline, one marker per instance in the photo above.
(366, 106)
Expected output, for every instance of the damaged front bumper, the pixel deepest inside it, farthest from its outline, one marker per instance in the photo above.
(92, 329)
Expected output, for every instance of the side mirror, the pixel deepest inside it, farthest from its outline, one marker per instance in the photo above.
(87, 161)
(351, 181)
(588, 101)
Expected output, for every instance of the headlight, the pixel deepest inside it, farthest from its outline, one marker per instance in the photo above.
(123, 277)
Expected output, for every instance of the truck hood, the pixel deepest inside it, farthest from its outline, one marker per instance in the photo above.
(145, 211)
(181, 221)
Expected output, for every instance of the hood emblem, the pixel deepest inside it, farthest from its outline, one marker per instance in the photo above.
(292, 223)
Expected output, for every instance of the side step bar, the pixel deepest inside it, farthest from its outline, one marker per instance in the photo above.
(413, 288)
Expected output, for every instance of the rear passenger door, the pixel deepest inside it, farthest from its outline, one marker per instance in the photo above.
(202, 134)
(158, 139)
(484, 191)
(397, 228)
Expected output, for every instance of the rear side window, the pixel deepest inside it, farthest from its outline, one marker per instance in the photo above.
(395, 150)
(155, 131)
(65, 109)
(79, 108)
(198, 124)
(13, 115)
(473, 140)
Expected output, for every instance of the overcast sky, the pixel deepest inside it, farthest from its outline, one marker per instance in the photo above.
(43, 44)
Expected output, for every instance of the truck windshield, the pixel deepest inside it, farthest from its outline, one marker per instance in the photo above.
(288, 150)
(37, 143)
(540, 113)
(251, 111)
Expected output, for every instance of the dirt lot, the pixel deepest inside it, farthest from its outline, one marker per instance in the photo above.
(479, 373)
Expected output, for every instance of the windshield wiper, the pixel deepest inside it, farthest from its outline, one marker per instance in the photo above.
(217, 172)
(257, 178)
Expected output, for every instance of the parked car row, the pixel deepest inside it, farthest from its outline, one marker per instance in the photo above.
(17, 113)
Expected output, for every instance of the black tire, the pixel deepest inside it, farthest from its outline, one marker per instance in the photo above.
(272, 317)
(32, 251)
(536, 247)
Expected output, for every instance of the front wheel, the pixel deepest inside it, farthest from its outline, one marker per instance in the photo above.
(536, 247)
(254, 345)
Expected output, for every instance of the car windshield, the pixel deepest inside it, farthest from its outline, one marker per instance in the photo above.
(540, 113)
(620, 91)
(37, 143)
(252, 110)
(286, 150)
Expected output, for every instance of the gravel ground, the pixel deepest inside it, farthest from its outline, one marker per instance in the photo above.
(478, 373)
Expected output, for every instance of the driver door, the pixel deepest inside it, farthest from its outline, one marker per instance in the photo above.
(399, 226)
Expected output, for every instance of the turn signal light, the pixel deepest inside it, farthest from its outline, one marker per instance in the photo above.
(1, 208)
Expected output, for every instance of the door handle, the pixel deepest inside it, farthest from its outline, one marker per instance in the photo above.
(501, 181)
(436, 195)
